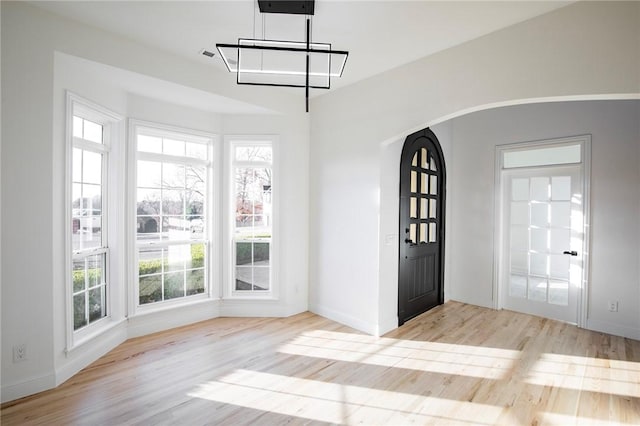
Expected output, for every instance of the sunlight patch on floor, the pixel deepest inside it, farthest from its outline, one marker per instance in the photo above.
(336, 403)
(587, 374)
(444, 358)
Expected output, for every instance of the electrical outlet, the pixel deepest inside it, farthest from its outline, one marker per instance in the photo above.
(613, 306)
(20, 353)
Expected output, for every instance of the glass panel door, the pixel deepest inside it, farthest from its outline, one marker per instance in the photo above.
(543, 229)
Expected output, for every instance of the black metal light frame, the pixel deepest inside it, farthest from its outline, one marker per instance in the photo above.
(307, 51)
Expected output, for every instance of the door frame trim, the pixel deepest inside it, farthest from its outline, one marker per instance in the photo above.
(585, 163)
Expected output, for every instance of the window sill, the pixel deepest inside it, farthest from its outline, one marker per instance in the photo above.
(100, 329)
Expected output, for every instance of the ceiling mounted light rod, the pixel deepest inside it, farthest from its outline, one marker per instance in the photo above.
(284, 63)
(306, 97)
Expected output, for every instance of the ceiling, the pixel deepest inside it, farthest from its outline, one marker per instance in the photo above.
(380, 35)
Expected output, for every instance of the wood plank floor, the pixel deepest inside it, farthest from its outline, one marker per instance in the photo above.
(457, 364)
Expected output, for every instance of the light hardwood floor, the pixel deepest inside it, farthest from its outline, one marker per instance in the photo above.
(457, 364)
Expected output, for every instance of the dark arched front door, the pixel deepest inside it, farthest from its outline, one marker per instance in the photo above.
(422, 199)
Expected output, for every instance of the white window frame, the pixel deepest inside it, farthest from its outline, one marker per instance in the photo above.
(230, 143)
(211, 207)
(111, 121)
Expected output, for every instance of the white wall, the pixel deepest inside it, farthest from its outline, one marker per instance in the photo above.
(615, 212)
(588, 48)
(48, 55)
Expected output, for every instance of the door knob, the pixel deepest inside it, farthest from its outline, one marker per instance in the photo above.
(572, 253)
(408, 241)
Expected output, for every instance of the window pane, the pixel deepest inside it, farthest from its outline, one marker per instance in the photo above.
(96, 304)
(261, 279)
(434, 185)
(79, 311)
(540, 214)
(91, 167)
(148, 228)
(261, 254)
(148, 202)
(432, 209)
(423, 233)
(196, 227)
(559, 266)
(538, 264)
(519, 238)
(561, 188)
(542, 156)
(540, 188)
(414, 181)
(519, 213)
(92, 199)
(77, 165)
(519, 263)
(174, 285)
(149, 174)
(432, 233)
(413, 213)
(520, 189)
(518, 286)
(172, 202)
(561, 214)
(173, 147)
(196, 260)
(244, 278)
(560, 240)
(423, 208)
(173, 228)
(172, 176)
(78, 275)
(424, 182)
(537, 289)
(149, 260)
(559, 292)
(424, 159)
(197, 150)
(254, 153)
(176, 257)
(77, 127)
(92, 131)
(149, 144)
(195, 282)
(150, 289)
(95, 270)
(244, 255)
(540, 240)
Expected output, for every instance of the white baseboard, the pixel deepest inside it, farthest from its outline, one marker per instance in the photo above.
(252, 308)
(27, 387)
(615, 329)
(89, 352)
(345, 319)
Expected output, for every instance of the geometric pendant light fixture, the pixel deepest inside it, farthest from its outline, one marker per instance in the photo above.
(286, 63)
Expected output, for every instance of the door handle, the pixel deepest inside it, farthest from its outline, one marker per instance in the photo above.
(572, 253)
(408, 241)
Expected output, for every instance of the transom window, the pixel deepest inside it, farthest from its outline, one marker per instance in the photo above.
(172, 181)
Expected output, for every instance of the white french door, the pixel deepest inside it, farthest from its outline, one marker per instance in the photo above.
(543, 235)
